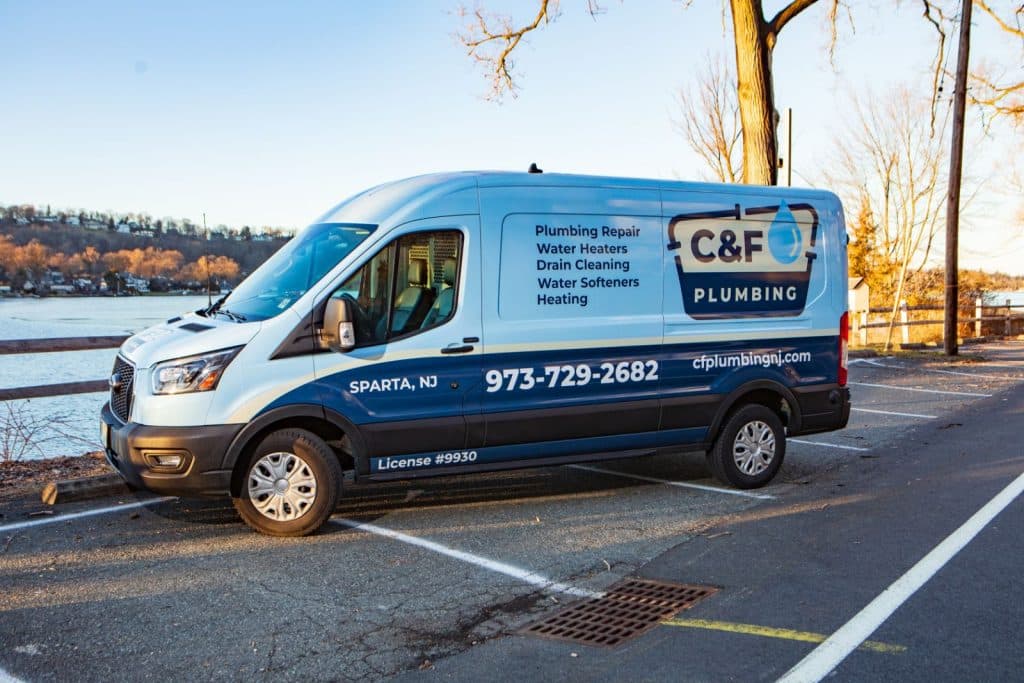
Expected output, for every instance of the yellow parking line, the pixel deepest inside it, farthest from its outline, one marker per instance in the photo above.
(784, 633)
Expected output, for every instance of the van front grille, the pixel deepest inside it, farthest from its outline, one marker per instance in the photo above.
(122, 387)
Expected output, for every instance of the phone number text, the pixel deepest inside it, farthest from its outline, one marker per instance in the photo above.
(552, 376)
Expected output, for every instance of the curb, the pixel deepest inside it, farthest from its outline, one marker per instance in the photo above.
(83, 489)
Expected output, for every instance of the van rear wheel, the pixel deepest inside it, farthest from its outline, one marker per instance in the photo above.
(749, 449)
(291, 484)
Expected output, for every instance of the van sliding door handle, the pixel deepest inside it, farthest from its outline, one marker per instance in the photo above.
(465, 348)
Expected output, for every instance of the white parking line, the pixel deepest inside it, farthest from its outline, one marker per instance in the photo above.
(525, 575)
(827, 656)
(947, 372)
(8, 678)
(892, 412)
(828, 445)
(85, 513)
(681, 484)
(923, 391)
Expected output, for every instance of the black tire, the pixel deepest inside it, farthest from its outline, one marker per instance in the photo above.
(757, 470)
(309, 495)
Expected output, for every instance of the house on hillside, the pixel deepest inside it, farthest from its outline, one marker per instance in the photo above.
(137, 284)
(84, 285)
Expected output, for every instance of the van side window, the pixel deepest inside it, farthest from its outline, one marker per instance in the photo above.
(407, 287)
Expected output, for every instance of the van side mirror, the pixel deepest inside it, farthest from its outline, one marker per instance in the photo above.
(339, 333)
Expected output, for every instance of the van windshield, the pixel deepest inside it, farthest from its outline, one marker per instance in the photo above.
(291, 271)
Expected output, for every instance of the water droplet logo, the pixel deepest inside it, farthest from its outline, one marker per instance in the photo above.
(784, 237)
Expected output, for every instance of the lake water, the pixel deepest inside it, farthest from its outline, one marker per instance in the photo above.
(69, 425)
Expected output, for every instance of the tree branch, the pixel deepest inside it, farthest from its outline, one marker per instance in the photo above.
(1012, 30)
(788, 13)
(709, 119)
(491, 40)
(936, 20)
(995, 96)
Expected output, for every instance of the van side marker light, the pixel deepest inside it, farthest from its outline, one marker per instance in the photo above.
(524, 575)
(827, 656)
(85, 513)
(891, 412)
(681, 484)
(828, 445)
(922, 391)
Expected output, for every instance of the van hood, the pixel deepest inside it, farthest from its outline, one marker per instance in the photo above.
(186, 336)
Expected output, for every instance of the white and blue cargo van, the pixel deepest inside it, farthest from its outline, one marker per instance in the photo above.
(463, 322)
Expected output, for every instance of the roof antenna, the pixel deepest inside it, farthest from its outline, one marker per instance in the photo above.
(533, 169)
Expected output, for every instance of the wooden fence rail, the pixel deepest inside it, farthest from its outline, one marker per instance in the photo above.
(11, 346)
(64, 389)
(860, 323)
(18, 346)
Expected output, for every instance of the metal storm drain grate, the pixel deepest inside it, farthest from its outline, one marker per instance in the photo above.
(629, 608)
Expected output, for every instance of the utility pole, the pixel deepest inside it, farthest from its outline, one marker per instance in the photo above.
(956, 162)
(789, 147)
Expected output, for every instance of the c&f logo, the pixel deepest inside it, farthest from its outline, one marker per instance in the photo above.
(756, 264)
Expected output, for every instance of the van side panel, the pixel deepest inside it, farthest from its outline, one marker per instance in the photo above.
(571, 312)
(749, 295)
(599, 335)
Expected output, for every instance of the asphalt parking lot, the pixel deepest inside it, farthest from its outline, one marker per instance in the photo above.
(432, 579)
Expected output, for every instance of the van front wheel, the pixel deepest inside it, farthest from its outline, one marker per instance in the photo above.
(291, 484)
(749, 449)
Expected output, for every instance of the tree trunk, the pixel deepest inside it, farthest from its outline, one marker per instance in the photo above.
(754, 44)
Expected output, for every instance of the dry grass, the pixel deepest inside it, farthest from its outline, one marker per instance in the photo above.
(22, 477)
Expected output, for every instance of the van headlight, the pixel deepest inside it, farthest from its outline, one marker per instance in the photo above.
(195, 373)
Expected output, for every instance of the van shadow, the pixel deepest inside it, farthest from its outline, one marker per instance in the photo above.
(368, 501)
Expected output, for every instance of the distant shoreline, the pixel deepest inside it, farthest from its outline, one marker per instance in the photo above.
(97, 295)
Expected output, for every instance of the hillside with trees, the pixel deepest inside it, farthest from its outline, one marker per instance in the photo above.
(44, 252)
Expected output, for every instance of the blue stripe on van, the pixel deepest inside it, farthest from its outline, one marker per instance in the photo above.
(512, 453)
(401, 390)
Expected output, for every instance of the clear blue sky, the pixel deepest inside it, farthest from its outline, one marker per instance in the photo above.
(267, 114)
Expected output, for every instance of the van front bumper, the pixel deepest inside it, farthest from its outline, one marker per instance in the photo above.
(139, 453)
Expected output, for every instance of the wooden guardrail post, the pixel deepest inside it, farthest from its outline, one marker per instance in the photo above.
(863, 328)
(1008, 326)
(904, 328)
(977, 317)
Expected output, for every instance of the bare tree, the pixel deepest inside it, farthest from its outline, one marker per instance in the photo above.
(1001, 95)
(891, 165)
(709, 119)
(24, 433)
(491, 39)
(997, 93)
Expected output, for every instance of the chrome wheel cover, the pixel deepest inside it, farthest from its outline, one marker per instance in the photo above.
(753, 449)
(282, 486)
